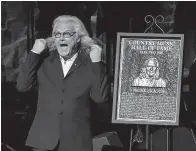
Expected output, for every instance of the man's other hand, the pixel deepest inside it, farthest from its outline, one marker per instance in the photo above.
(95, 53)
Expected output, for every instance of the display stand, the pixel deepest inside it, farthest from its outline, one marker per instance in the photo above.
(151, 21)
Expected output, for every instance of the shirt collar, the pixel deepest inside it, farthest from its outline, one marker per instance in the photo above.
(72, 59)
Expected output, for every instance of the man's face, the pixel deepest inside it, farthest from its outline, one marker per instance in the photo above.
(151, 68)
(65, 39)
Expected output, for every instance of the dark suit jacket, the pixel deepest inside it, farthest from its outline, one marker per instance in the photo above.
(63, 108)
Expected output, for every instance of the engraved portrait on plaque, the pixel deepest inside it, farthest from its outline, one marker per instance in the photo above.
(147, 82)
(149, 75)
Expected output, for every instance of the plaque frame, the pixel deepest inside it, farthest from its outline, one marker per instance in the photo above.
(121, 35)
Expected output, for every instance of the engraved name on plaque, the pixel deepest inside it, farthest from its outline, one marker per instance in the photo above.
(148, 79)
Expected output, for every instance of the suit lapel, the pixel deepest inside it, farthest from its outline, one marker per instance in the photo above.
(77, 63)
(57, 66)
(56, 71)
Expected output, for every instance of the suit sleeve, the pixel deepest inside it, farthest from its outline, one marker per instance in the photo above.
(28, 73)
(100, 86)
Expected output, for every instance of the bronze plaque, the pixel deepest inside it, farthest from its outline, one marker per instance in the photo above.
(147, 82)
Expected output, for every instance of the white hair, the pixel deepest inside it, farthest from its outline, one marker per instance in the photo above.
(85, 41)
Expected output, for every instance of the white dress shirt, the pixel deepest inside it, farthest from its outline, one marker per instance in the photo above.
(66, 65)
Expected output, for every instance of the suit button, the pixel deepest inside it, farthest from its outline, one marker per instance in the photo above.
(63, 90)
(61, 113)
(62, 101)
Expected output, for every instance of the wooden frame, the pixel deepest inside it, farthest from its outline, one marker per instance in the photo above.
(141, 57)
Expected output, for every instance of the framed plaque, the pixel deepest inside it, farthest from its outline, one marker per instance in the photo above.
(147, 84)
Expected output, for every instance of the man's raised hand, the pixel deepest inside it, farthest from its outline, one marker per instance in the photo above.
(95, 53)
(39, 46)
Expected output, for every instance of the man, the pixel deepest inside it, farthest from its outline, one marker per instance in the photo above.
(68, 76)
(149, 77)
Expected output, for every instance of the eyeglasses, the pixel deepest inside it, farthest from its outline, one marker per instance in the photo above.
(65, 34)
